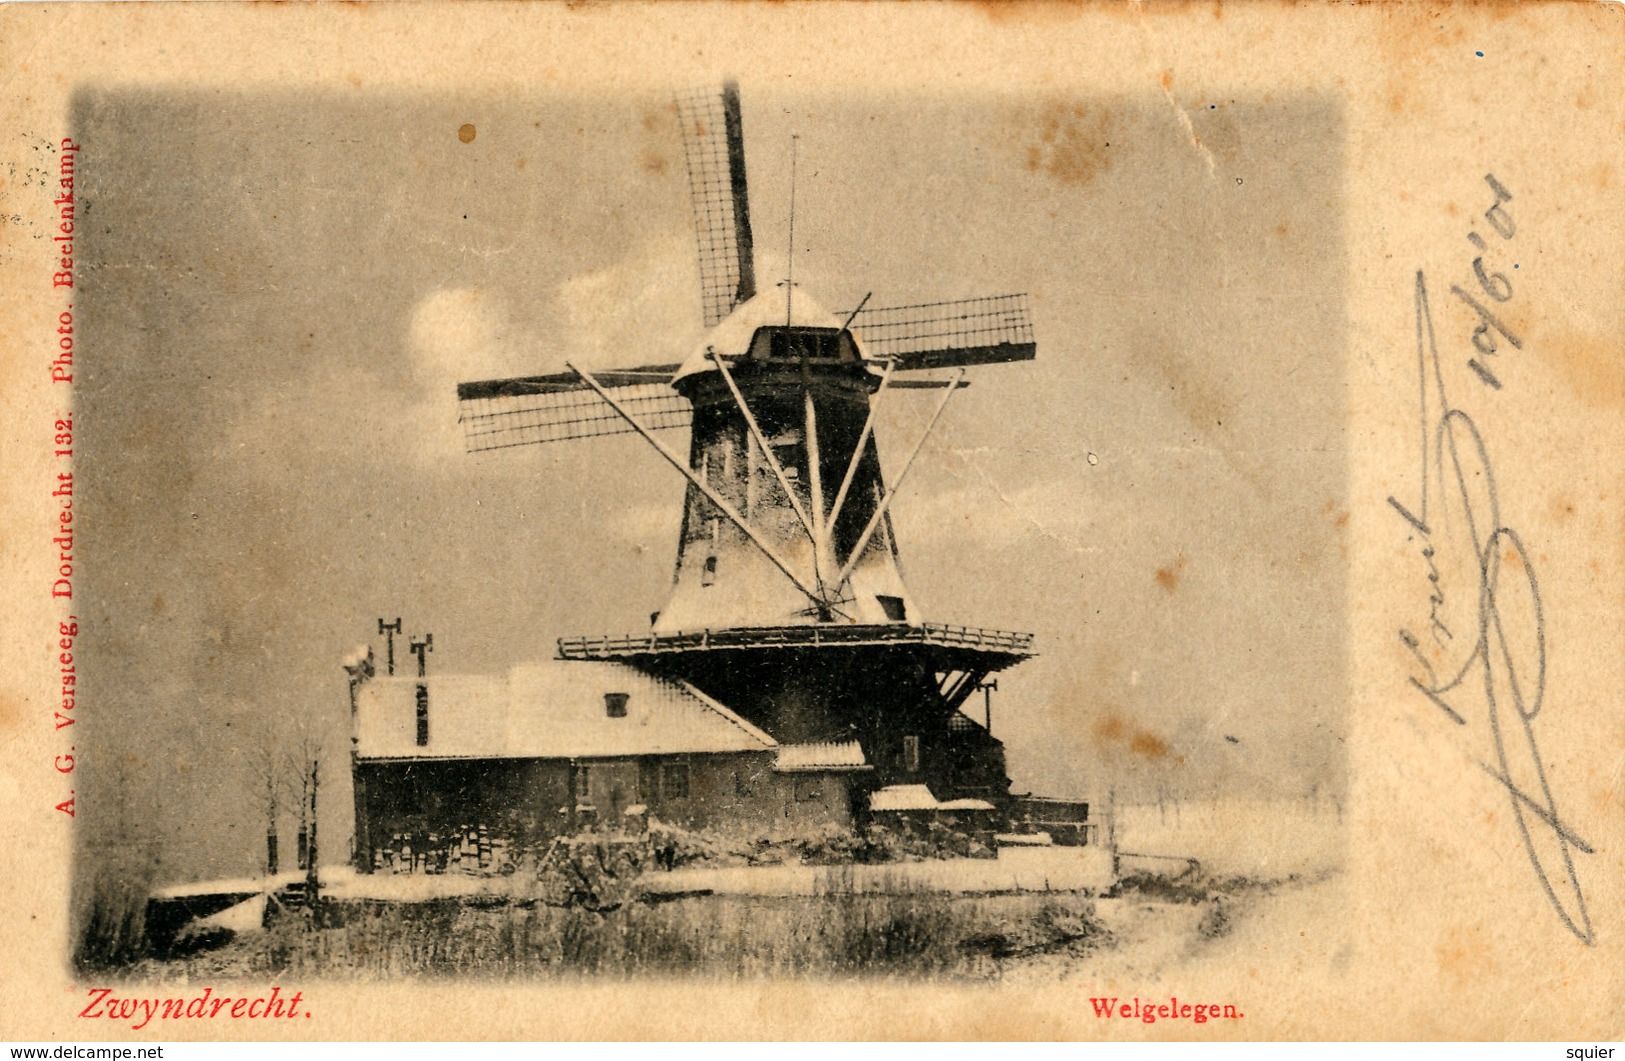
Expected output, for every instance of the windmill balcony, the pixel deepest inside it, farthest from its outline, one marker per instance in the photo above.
(936, 634)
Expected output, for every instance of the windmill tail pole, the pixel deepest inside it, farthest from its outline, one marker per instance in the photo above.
(705, 488)
(897, 484)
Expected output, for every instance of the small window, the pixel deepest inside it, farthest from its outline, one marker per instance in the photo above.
(423, 715)
(894, 609)
(911, 754)
(709, 575)
(674, 781)
(615, 704)
(583, 786)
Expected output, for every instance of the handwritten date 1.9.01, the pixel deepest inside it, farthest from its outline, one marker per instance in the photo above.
(1485, 626)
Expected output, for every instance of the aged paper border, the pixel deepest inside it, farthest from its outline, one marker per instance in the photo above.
(1450, 937)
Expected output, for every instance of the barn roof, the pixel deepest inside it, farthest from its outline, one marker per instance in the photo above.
(825, 755)
(903, 797)
(919, 797)
(553, 710)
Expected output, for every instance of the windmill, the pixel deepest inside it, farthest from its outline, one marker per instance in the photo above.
(787, 602)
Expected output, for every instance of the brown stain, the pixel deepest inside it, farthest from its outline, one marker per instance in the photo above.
(157, 604)
(1601, 176)
(1168, 576)
(1148, 744)
(1112, 730)
(354, 80)
(1463, 955)
(1166, 80)
(1409, 40)
(1591, 365)
(11, 713)
(466, 132)
(1010, 12)
(521, 162)
(653, 163)
(1562, 509)
(1043, 12)
(653, 119)
(1201, 395)
(1070, 141)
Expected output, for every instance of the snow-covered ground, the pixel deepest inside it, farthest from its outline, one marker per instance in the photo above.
(234, 885)
(1258, 838)
(1268, 839)
(1031, 869)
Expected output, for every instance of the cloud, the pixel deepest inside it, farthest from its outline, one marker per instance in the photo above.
(465, 333)
(642, 309)
(456, 334)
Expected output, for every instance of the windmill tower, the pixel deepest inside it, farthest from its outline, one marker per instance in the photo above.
(787, 603)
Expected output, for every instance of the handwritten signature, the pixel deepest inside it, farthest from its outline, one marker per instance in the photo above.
(1465, 543)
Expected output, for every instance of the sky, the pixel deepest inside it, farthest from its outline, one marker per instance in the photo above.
(282, 290)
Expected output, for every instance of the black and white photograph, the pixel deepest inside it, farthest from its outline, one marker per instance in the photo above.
(751, 532)
(762, 523)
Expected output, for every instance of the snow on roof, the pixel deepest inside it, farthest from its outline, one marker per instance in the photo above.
(903, 797)
(732, 335)
(826, 755)
(966, 804)
(919, 797)
(558, 709)
(229, 886)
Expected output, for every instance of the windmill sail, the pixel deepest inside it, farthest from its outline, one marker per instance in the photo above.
(714, 147)
(503, 413)
(973, 331)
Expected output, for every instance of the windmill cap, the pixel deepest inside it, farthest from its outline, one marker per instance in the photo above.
(731, 338)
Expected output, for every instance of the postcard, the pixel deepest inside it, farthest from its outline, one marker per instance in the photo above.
(1032, 521)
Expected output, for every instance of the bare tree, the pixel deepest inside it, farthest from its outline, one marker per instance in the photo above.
(265, 765)
(304, 742)
(284, 764)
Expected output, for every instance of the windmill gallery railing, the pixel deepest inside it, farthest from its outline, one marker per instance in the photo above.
(939, 634)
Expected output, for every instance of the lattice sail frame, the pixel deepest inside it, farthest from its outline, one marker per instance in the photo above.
(972, 331)
(714, 149)
(504, 421)
(503, 414)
